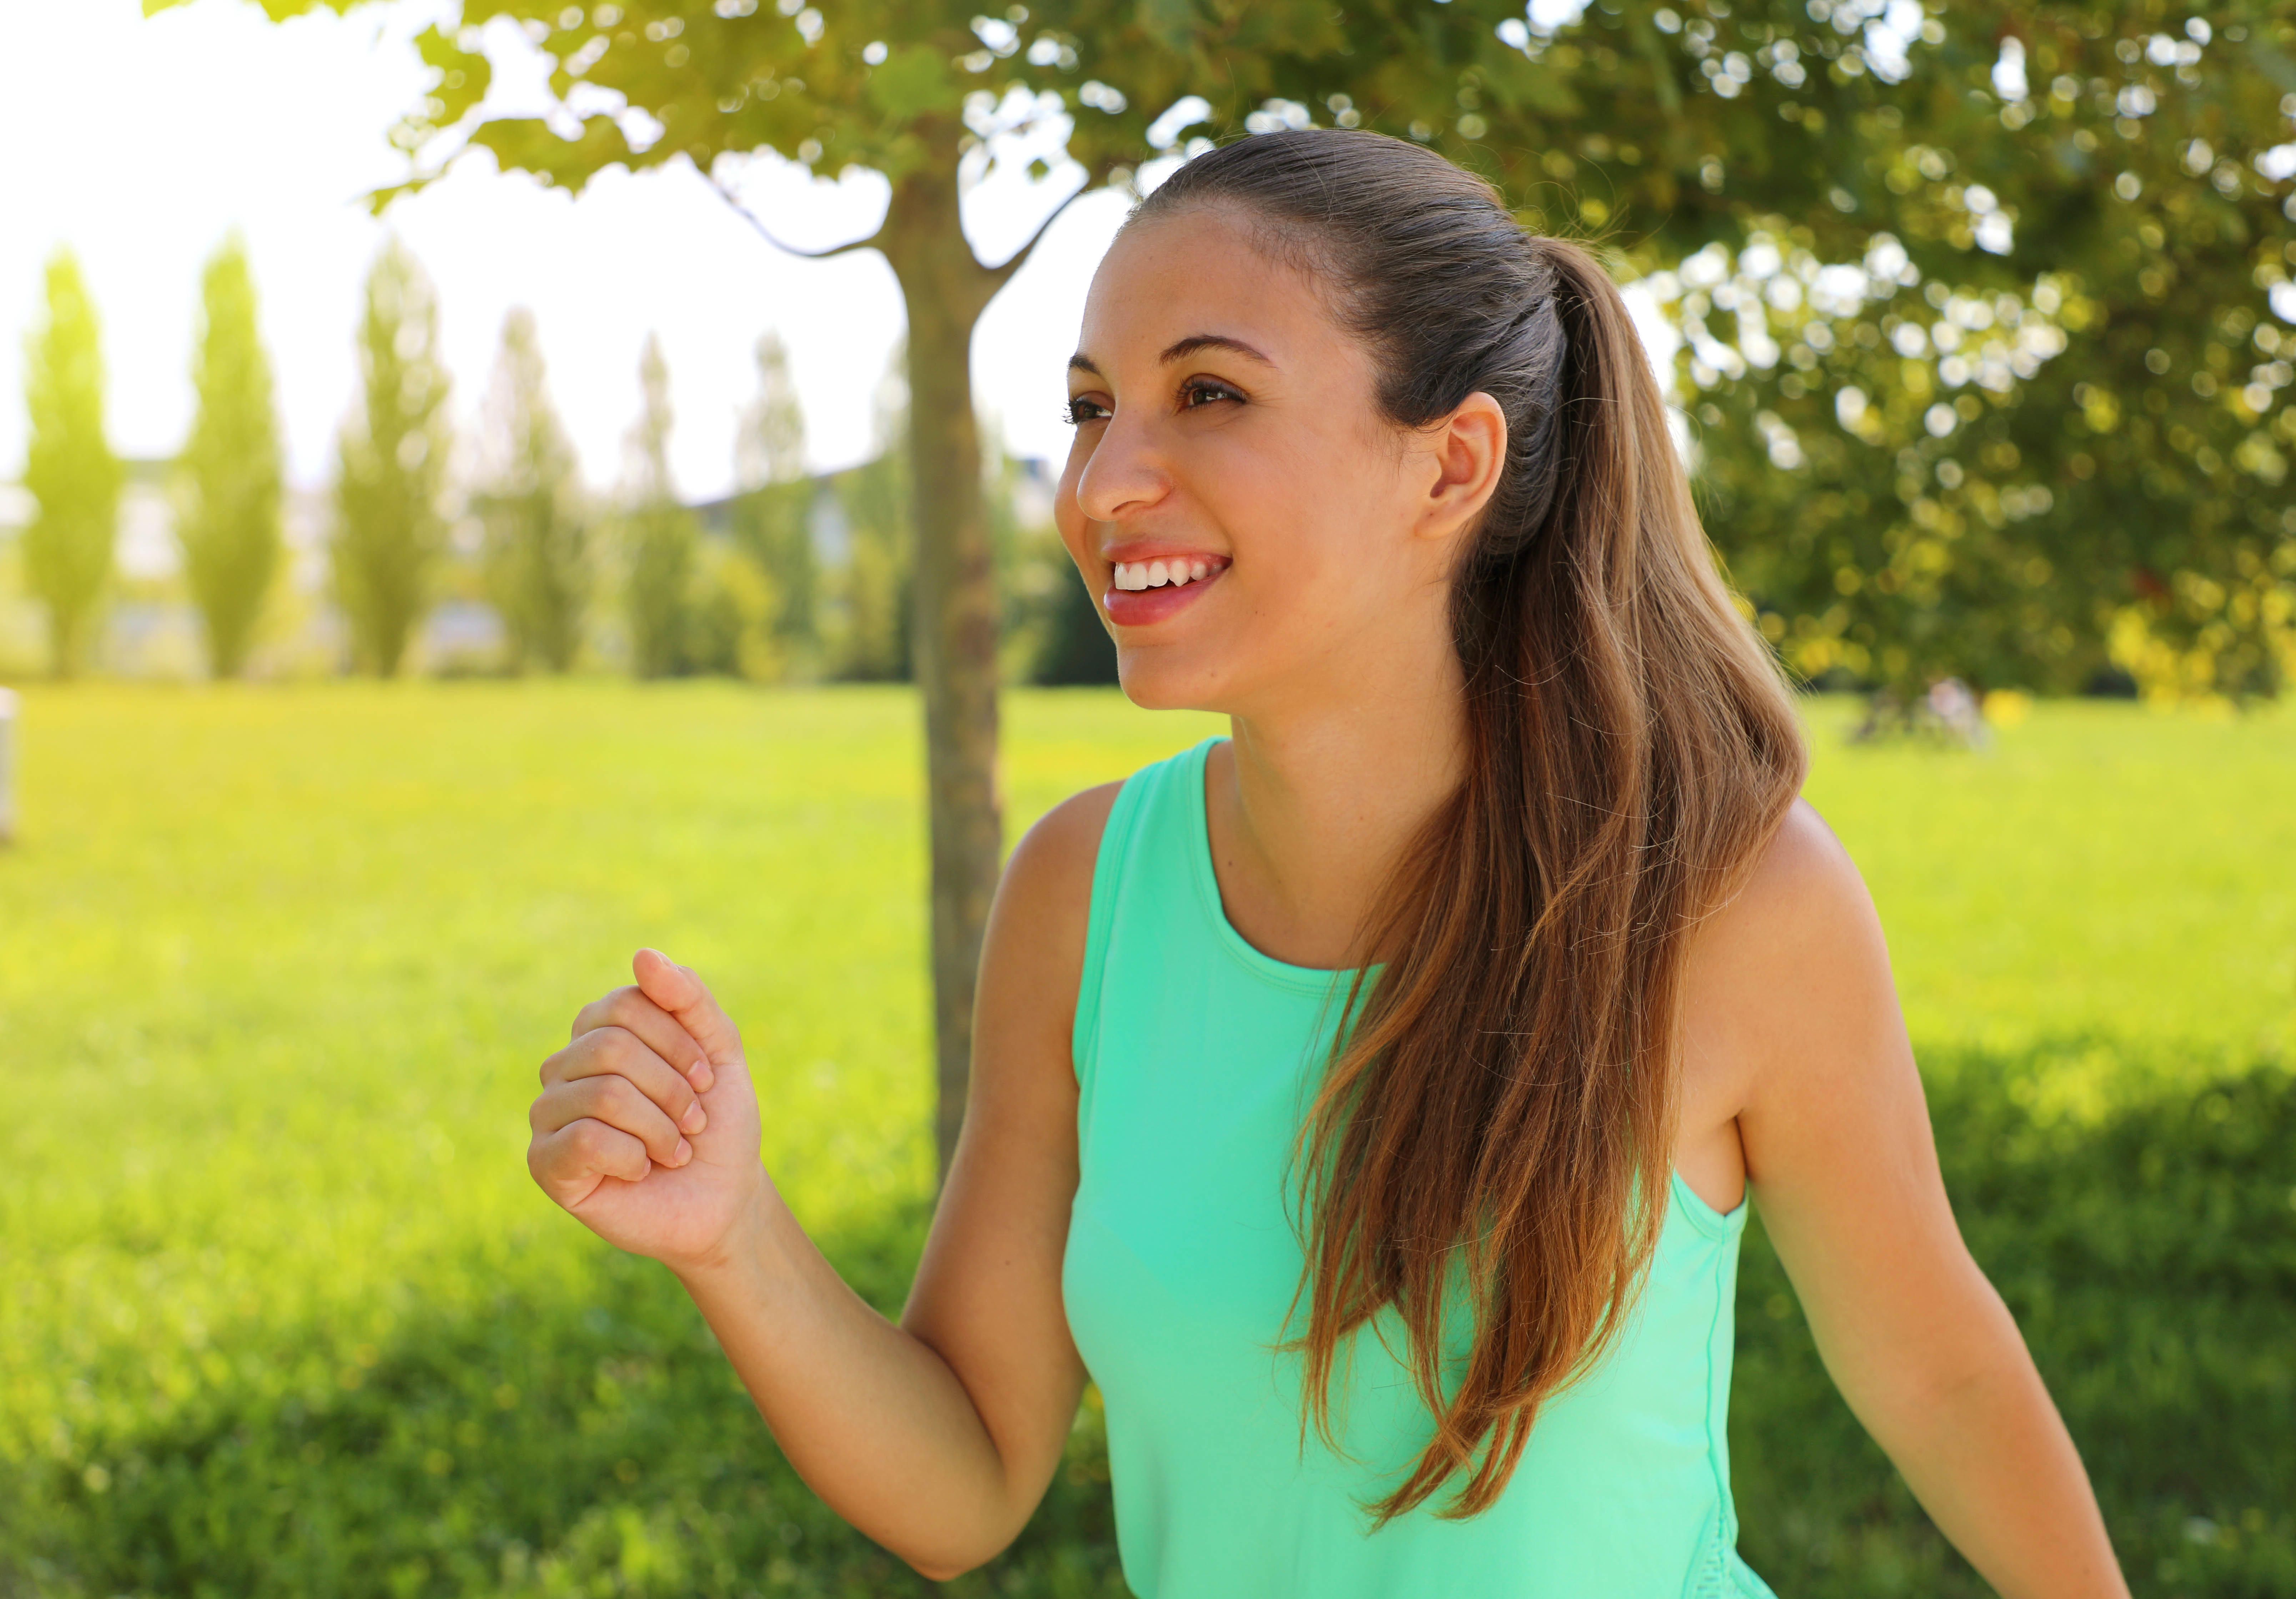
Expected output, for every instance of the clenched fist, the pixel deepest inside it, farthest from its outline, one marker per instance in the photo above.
(647, 1126)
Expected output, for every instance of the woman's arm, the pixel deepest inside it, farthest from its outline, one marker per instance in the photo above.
(1839, 1152)
(935, 1437)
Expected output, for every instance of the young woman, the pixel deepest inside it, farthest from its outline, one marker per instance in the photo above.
(1368, 1100)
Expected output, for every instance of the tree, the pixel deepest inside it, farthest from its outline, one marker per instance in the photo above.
(773, 510)
(230, 471)
(392, 454)
(537, 555)
(1659, 127)
(873, 637)
(660, 535)
(69, 466)
(1075, 647)
(2038, 438)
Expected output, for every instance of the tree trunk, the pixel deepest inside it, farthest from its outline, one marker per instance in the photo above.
(955, 591)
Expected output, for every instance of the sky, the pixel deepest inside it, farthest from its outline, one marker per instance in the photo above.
(142, 143)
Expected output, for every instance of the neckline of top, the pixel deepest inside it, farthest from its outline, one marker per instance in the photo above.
(1308, 980)
(1195, 770)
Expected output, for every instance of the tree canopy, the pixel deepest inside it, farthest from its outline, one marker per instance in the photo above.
(231, 476)
(69, 465)
(391, 464)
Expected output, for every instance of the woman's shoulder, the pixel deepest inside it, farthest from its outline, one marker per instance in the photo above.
(1063, 843)
(1802, 880)
(1045, 893)
(1056, 859)
(1793, 963)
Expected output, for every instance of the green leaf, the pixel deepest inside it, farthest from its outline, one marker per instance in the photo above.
(1171, 23)
(913, 80)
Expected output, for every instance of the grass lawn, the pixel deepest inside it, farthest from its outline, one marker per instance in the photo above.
(281, 1314)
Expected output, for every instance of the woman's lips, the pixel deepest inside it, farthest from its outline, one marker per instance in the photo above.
(1141, 607)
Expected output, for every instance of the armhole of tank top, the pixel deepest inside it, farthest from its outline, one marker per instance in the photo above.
(1107, 877)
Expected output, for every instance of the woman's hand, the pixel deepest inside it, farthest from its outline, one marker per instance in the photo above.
(647, 1126)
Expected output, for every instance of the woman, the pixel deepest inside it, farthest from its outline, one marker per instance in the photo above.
(1368, 1100)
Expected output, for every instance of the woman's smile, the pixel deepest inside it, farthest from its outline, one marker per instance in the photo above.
(1147, 585)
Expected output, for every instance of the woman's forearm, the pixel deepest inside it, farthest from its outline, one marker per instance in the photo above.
(1990, 1458)
(874, 1421)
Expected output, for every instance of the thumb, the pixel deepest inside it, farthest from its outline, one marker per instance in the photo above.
(677, 990)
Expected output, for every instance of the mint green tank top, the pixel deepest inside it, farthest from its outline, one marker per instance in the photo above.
(1195, 1057)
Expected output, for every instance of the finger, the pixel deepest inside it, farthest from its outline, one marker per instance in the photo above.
(567, 1163)
(677, 990)
(629, 1009)
(612, 1049)
(615, 1101)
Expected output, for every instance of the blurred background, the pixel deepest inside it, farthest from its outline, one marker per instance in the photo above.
(484, 488)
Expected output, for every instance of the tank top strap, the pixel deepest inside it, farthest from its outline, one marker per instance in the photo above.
(1146, 849)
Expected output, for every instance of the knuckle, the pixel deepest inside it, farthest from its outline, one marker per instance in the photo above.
(593, 1141)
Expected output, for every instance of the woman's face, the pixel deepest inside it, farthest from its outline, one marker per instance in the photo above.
(1246, 518)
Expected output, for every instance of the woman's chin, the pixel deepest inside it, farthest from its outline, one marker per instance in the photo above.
(1157, 678)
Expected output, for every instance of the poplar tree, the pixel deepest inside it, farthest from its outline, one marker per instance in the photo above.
(230, 473)
(69, 466)
(661, 533)
(773, 511)
(536, 542)
(393, 453)
(873, 586)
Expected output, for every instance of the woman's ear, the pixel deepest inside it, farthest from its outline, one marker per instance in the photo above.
(1466, 453)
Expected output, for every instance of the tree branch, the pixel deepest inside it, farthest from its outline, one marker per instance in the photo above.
(763, 232)
(1002, 272)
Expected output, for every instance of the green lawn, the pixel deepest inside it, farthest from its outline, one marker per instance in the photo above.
(280, 1312)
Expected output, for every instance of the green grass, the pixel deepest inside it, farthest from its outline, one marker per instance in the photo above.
(280, 1312)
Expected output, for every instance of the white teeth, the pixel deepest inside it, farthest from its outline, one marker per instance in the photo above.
(1134, 575)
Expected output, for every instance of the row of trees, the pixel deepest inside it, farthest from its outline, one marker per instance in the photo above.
(228, 487)
(761, 602)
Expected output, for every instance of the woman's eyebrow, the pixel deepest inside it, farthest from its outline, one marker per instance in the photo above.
(1181, 350)
(1195, 342)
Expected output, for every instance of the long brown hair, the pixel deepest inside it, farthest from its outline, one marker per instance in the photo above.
(1497, 1123)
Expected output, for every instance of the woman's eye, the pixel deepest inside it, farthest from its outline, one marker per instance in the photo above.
(1080, 410)
(1198, 392)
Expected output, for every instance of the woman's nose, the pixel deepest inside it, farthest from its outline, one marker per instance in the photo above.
(1124, 474)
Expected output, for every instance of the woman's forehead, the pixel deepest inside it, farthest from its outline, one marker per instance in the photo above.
(1197, 276)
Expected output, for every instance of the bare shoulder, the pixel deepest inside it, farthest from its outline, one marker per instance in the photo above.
(1033, 957)
(1788, 969)
(1802, 893)
(1050, 872)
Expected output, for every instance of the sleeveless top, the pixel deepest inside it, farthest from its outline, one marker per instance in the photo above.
(1196, 1056)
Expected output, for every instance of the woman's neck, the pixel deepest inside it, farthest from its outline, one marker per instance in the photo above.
(1314, 803)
